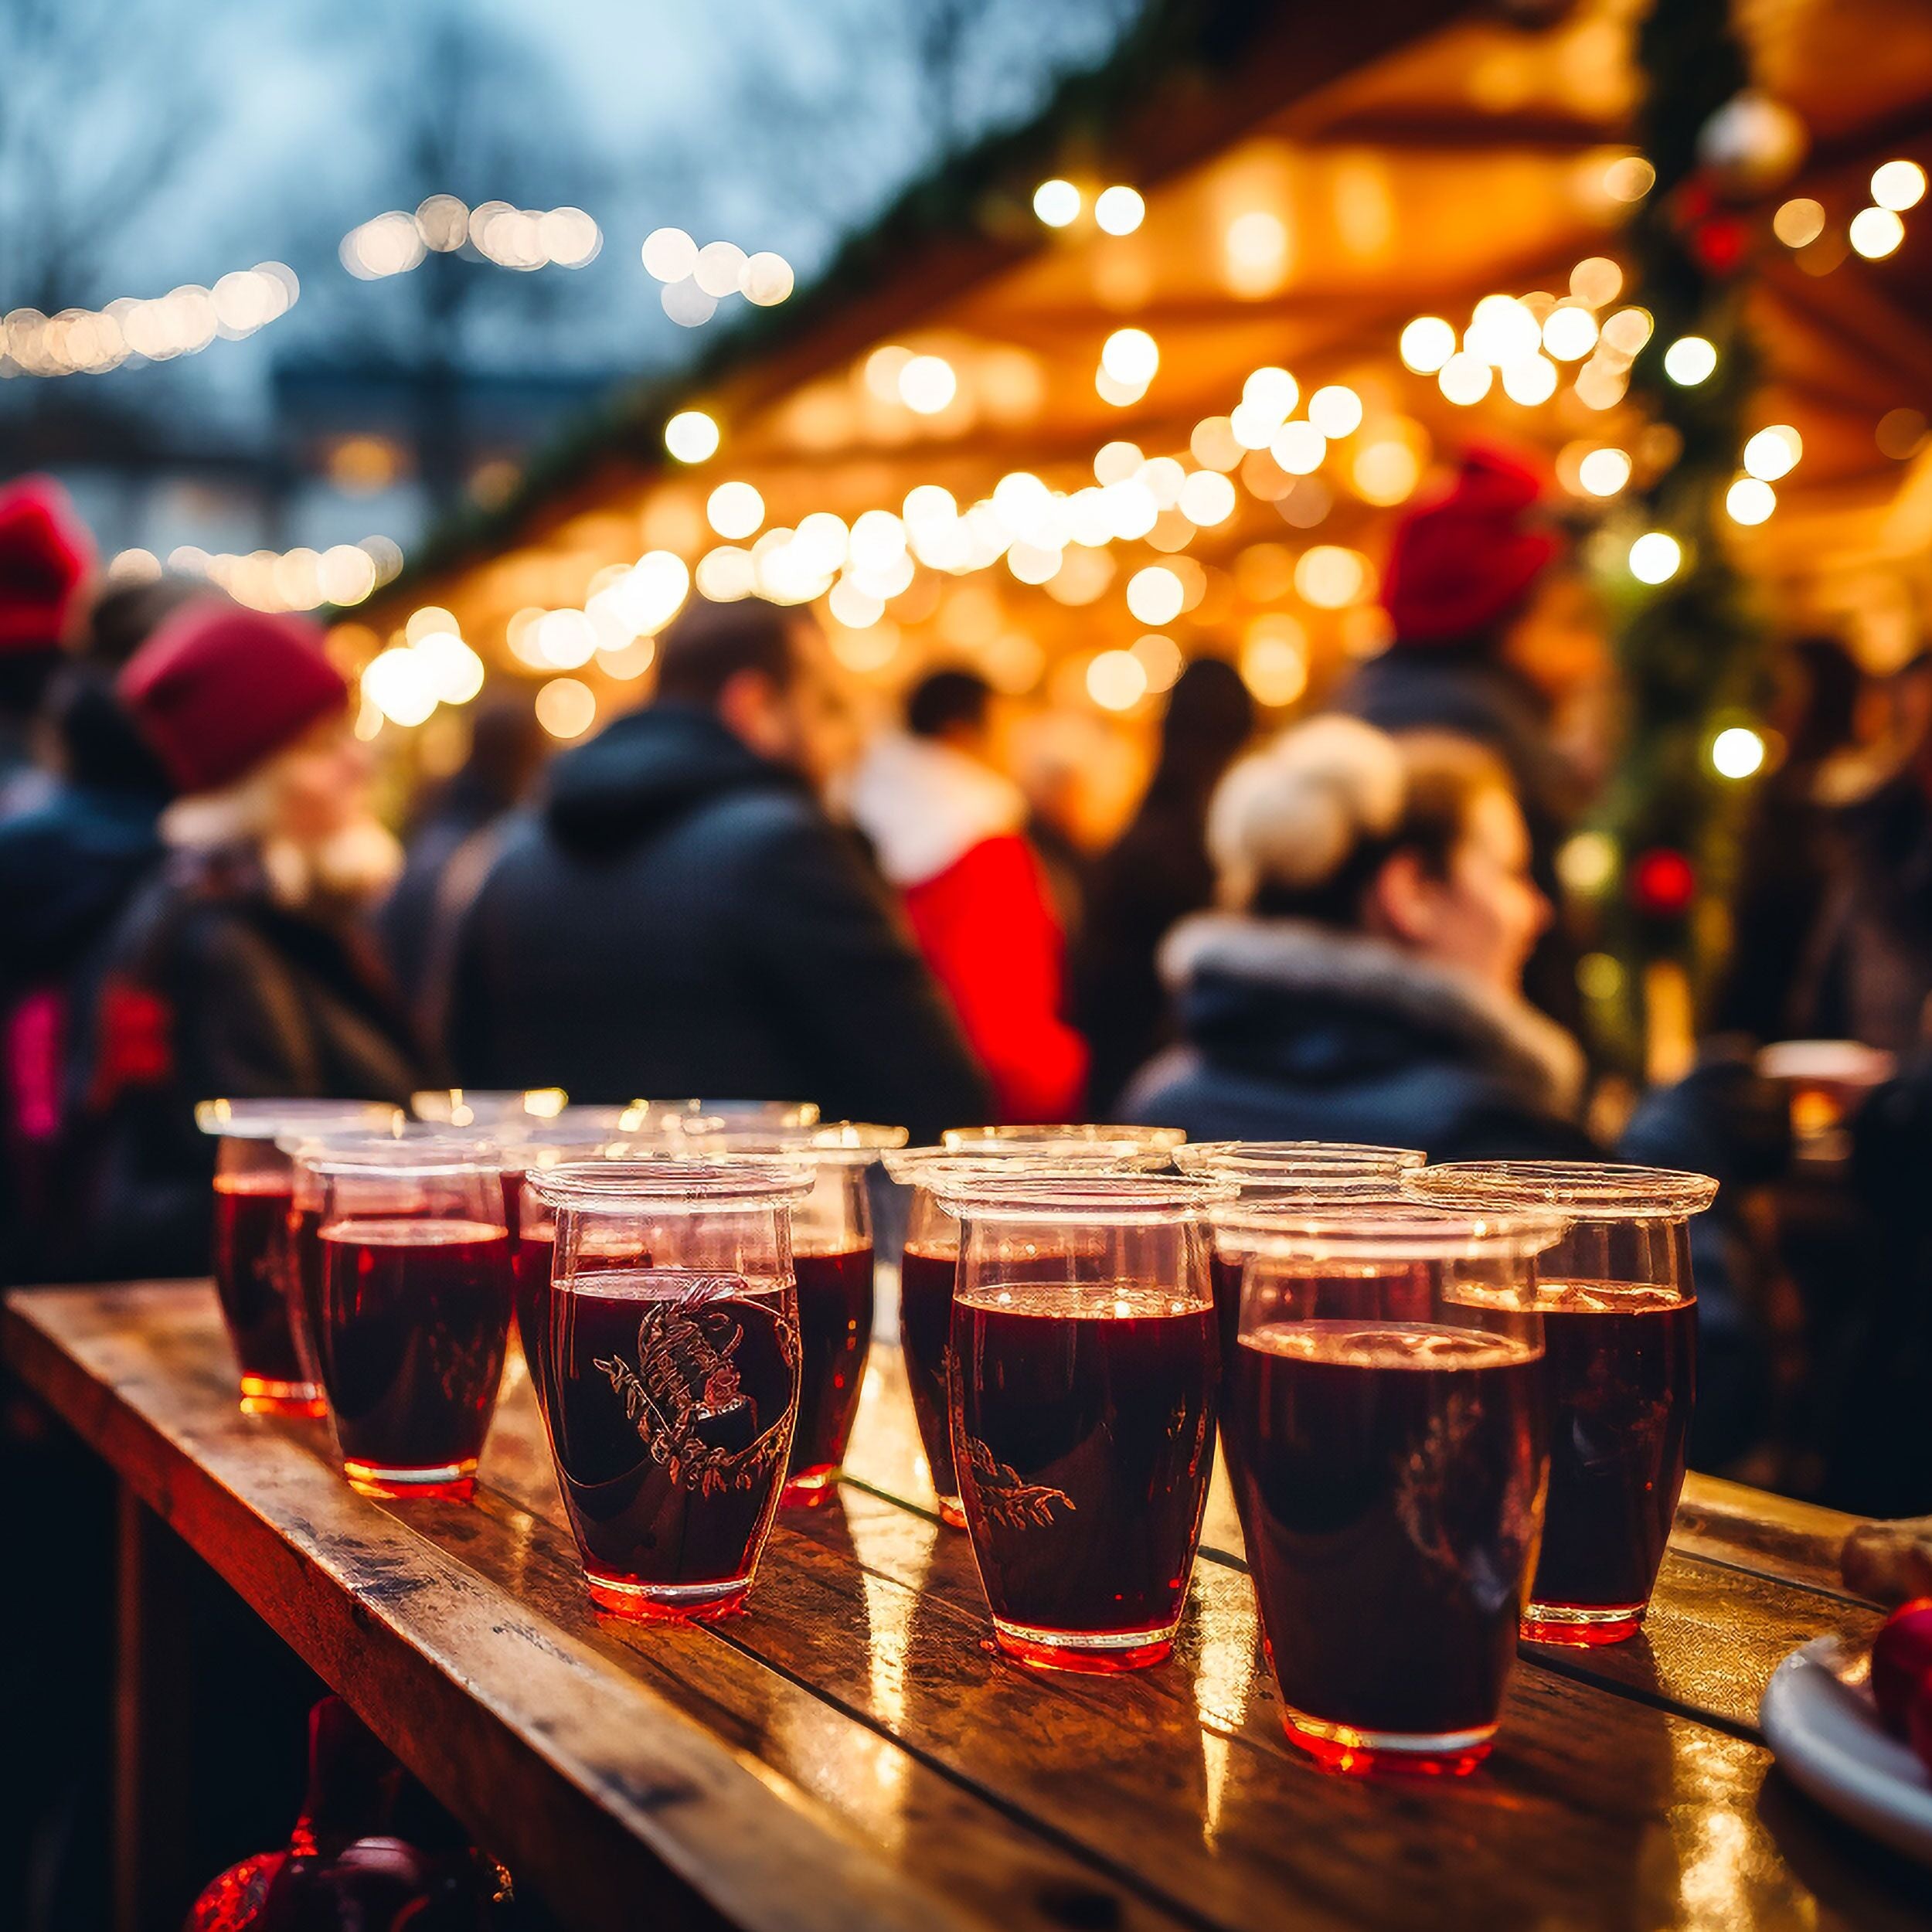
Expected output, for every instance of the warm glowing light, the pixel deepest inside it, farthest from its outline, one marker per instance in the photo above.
(1587, 863)
(687, 304)
(1271, 392)
(1154, 595)
(1749, 500)
(1689, 360)
(1627, 330)
(1255, 252)
(401, 685)
(854, 606)
(1131, 356)
(1596, 281)
(431, 620)
(1531, 381)
(1773, 453)
(691, 436)
(926, 384)
(1875, 233)
(720, 265)
(1427, 343)
(1335, 410)
(1274, 660)
(1116, 462)
(1299, 448)
(1655, 557)
(767, 279)
(566, 639)
(1604, 472)
(1329, 576)
(1502, 331)
(1736, 752)
(726, 574)
(1160, 657)
(1117, 680)
(1464, 379)
(1799, 222)
(1629, 177)
(1213, 444)
(1118, 210)
(735, 509)
(1207, 498)
(566, 707)
(455, 671)
(1385, 473)
(1569, 333)
(1898, 186)
(1056, 202)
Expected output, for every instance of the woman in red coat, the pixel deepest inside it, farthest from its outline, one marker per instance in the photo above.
(949, 830)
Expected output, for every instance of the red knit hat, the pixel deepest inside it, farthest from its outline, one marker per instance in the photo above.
(217, 689)
(1463, 560)
(46, 554)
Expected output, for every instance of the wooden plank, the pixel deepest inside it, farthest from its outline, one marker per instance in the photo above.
(1774, 1536)
(589, 1778)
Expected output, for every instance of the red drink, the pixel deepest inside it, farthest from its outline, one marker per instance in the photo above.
(1620, 1372)
(834, 1331)
(415, 1317)
(1082, 1417)
(926, 1282)
(252, 1283)
(1390, 1477)
(670, 1397)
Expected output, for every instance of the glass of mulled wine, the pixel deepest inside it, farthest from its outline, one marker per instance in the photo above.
(928, 1268)
(1082, 1390)
(1619, 1310)
(667, 1365)
(415, 1309)
(831, 1250)
(1388, 1462)
(254, 1277)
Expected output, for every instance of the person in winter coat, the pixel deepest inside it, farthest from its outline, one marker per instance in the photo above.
(1364, 981)
(948, 827)
(678, 915)
(241, 968)
(1157, 873)
(46, 560)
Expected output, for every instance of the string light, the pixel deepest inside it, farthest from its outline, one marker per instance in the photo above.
(1898, 186)
(82, 341)
(1773, 453)
(1131, 356)
(1057, 203)
(1799, 223)
(928, 384)
(1736, 752)
(735, 509)
(1604, 472)
(526, 239)
(1118, 211)
(1464, 379)
(1689, 360)
(297, 579)
(691, 436)
(1875, 233)
(1655, 557)
(566, 707)
(1117, 680)
(1335, 410)
(1749, 500)
(695, 279)
(1427, 343)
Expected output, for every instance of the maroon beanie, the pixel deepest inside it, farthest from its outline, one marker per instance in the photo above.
(46, 554)
(217, 689)
(1462, 561)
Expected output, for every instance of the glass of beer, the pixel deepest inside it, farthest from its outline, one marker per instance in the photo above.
(254, 1278)
(415, 1313)
(1083, 1394)
(1619, 1310)
(667, 1368)
(1389, 1459)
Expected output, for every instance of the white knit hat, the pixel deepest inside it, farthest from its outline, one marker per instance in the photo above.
(1290, 814)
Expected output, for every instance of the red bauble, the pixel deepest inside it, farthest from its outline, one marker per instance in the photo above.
(1902, 1662)
(1662, 883)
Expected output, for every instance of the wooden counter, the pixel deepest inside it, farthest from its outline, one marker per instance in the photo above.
(849, 1753)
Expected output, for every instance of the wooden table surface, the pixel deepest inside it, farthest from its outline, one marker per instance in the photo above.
(850, 1753)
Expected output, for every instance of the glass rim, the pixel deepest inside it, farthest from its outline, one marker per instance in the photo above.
(1580, 1190)
(1101, 1198)
(500, 1103)
(1394, 1231)
(913, 1166)
(1076, 1133)
(402, 1132)
(268, 1119)
(430, 1156)
(728, 1113)
(828, 1144)
(1314, 1192)
(675, 1185)
(1263, 1159)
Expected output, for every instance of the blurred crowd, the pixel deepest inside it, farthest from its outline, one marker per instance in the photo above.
(1344, 929)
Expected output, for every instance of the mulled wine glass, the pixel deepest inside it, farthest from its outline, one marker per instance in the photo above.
(667, 1368)
(973, 1140)
(415, 1309)
(254, 1280)
(1619, 1310)
(1388, 1462)
(1082, 1390)
(929, 1267)
(831, 1245)
(488, 1106)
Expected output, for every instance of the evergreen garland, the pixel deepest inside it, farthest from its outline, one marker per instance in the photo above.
(1689, 652)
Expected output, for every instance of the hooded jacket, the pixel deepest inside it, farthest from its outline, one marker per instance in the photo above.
(679, 916)
(1292, 1032)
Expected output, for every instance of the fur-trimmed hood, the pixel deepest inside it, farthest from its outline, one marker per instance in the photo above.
(1294, 981)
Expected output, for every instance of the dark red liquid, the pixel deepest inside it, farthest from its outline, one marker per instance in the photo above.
(669, 1398)
(1083, 1428)
(1382, 1290)
(926, 1335)
(530, 1262)
(415, 1317)
(1390, 1476)
(305, 1265)
(251, 1243)
(1619, 1378)
(835, 1329)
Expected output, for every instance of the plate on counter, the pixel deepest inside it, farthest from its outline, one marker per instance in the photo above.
(1820, 1720)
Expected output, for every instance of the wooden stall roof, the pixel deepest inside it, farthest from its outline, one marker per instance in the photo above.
(1313, 179)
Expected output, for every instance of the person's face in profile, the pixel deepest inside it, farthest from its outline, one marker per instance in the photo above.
(806, 724)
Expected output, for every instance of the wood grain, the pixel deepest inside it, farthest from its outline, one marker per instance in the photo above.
(852, 1752)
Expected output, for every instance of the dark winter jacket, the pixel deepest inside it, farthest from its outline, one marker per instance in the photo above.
(209, 987)
(1292, 1032)
(680, 916)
